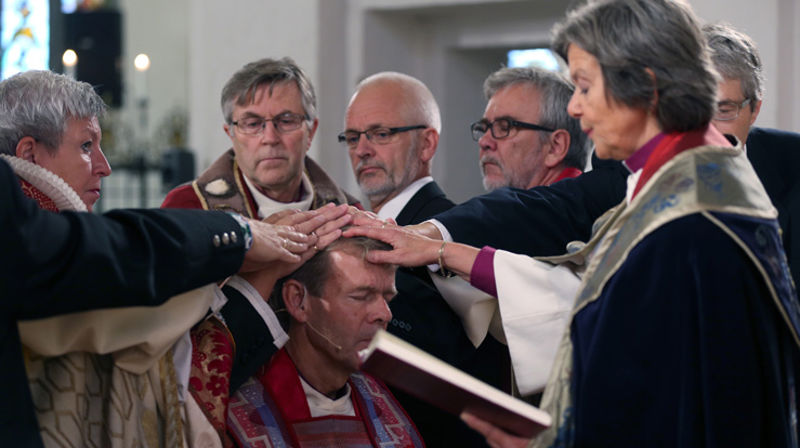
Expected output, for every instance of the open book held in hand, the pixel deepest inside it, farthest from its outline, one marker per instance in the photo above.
(428, 378)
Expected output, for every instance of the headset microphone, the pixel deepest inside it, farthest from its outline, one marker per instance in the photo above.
(335, 345)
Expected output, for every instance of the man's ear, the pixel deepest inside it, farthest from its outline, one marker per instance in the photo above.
(428, 144)
(293, 298)
(312, 130)
(756, 109)
(557, 148)
(26, 149)
(228, 130)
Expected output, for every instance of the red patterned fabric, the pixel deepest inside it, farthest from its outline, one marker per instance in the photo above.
(209, 378)
(34, 193)
(272, 410)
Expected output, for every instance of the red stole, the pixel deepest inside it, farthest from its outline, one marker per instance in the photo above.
(271, 409)
(568, 173)
(673, 144)
(282, 382)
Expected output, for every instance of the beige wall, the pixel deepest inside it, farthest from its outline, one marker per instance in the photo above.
(449, 44)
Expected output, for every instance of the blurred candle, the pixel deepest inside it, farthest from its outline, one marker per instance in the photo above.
(70, 61)
(142, 64)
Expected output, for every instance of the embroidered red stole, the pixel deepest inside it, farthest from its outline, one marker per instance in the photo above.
(675, 143)
(272, 410)
(209, 377)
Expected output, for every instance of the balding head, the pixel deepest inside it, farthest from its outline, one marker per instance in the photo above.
(405, 112)
(414, 98)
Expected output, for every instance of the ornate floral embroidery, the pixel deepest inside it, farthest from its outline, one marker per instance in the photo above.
(212, 363)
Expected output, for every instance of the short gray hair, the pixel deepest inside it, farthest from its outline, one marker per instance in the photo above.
(628, 37)
(735, 56)
(242, 86)
(555, 93)
(38, 103)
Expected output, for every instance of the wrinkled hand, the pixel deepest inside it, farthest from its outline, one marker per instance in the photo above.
(319, 228)
(324, 224)
(409, 248)
(274, 243)
(495, 437)
(287, 236)
(369, 219)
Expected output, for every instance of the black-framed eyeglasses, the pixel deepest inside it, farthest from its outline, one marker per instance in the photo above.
(729, 110)
(501, 127)
(284, 122)
(379, 136)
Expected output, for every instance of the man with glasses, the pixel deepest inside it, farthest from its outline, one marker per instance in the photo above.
(391, 134)
(270, 115)
(526, 137)
(270, 112)
(774, 154)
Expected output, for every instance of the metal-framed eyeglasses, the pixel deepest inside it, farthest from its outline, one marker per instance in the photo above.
(729, 110)
(502, 127)
(284, 122)
(379, 136)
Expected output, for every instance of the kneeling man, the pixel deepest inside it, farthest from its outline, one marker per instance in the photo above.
(311, 393)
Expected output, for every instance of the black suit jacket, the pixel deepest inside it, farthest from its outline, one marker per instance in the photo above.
(775, 156)
(422, 317)
(542, 220)
(60, 263)
(419, 314)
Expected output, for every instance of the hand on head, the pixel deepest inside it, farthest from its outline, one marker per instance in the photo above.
(291, 237)
(367, 218)
(409, 248)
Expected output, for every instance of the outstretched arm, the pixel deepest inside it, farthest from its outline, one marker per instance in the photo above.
(59, 263)
(412, 249)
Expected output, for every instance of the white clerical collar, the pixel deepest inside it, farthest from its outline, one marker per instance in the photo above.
(279, 336)
(321, 405)
(632, 180)
(267, 206)
(394, 206)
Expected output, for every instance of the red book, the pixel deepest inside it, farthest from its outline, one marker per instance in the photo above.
(428, 378)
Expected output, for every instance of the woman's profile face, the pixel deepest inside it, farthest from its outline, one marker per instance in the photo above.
(78, 159)
(617, 130)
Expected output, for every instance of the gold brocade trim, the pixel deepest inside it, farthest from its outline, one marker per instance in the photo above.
(173, 422)
(199, 195)
(701, 180)
(242, 189)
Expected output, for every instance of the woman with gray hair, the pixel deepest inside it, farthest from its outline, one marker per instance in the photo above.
(684, 331)
(50, 133)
